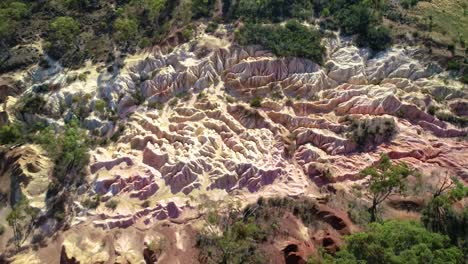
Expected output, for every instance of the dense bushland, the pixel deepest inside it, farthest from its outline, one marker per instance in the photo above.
(291, 40)
(397, 242)
(368, 133)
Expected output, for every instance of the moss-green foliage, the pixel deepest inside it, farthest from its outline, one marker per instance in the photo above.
(21, 219)
(447, 116)
(377, 38)
(385, 178)
(362, 20)
(397, 242)
(256, 102)
(352, 17)
(212, 27)
(64, 30)
(230, 238)
(126, 29)
(440, 216)
(11, 14)
(235, 237)
(112, 204)
(408, 3)
(237, 244)
(202, 8)
(291, 40)
(63, 35)
(10, 133)
(368, 133)
(274, 10)
(92, 202)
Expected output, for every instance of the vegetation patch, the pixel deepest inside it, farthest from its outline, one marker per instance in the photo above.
(397, 242)
(291, 40)
(369, 133)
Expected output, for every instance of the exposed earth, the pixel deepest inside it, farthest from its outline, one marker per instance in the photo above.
(210, 118)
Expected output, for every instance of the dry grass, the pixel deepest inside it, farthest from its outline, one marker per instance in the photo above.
(450, 19)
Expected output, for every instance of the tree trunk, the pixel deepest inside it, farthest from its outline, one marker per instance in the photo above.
(373, 213)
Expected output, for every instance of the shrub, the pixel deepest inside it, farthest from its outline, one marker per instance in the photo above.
(355, 19)
(408, 3)
(447, 116)
(126, 29)
(93, 202)
(100, 105)
(10, 134)
(211, 28)
(202, 8)
(432, 109)
(256, 102)
(440, 216)
(11, 14)
(454, 65)
(291, 40)
(397, 242)
(64, 30)
(464, 78)
(112, 204)
(274, 10)
(385, 179)
(377, 38)
(368, 133)
(2, 229)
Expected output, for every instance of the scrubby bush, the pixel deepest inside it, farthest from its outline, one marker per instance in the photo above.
(126, 29)
(100, 106)
(454, 65)
(377, 38)
(439, 214)
(92, 202)
(10, 134)
(397, 242)
(447, 116)
(291, 40)
(256, 102)
(112, 204)
(211, 28)
(273, 10)
(64, 30)
(202, 8)
(408, 3)
(11, 14)
(385, 178)
(368, 133)
(355, 19)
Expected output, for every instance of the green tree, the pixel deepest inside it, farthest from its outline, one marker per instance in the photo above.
(11, 13)
(228, 238)
(126, 29)
(439, 215)
(64, 30)
(355, 19)
(385, 179)
(10, 133)
(377, 38)
(291, 40)
(21, 220)
(397, 242)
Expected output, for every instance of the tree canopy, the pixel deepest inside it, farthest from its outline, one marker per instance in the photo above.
(385, 179)
(395, 242)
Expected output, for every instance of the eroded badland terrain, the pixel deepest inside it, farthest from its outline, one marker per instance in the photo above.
(187, 129)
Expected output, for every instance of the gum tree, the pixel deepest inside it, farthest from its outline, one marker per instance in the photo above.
(385, 179)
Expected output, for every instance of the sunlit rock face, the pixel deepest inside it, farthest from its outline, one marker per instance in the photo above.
(204, 137)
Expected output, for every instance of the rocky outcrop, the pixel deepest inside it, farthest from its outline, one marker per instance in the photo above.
(27, 169)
